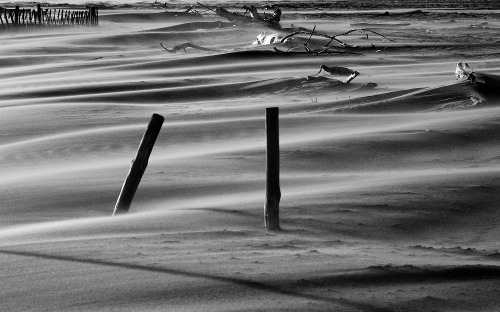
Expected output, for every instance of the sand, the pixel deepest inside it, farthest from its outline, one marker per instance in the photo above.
(389, 183)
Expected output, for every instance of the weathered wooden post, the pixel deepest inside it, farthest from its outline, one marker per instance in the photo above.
(139, 165)
(39, 13)
(273, 192)
(12, 15)
(17, 17)
(93, 16)
(6, 18)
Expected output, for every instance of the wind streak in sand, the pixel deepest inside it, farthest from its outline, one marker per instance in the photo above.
(177, 134)
(295, 188)
(71, 135)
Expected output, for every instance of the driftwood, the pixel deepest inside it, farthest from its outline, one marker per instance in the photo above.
(253, 17)
(338, 70)
(328, 51)
(189, 12)
(327, 48)
(184, 46)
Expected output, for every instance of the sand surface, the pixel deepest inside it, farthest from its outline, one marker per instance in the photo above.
(390, 184)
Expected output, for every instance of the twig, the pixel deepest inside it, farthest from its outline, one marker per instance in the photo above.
(312, 33)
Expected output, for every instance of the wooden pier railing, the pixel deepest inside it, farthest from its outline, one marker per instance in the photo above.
(20, 17)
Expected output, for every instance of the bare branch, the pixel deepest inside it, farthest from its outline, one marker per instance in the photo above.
(308, 32)
(312, 33)
(315, 52)
(332, 38)
(364, 30)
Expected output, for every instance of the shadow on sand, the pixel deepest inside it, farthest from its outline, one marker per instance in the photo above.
(379, 275)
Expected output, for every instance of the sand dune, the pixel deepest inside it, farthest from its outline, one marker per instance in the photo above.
(389, 183)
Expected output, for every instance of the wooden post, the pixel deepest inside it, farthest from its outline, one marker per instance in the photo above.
(93, 16)
(273, 193)
(1, 18)
(139, 165)
(39, 13)
(17, 17)
(6, 17)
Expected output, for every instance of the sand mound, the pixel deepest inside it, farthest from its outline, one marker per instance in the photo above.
(462, 94)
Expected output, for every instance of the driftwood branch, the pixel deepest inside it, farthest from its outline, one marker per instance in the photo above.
(324, 51)
(184, 46)
(312, 33)
(308, 33)
(333, 37)
(254, 17)
(326, 48)
(364, 30)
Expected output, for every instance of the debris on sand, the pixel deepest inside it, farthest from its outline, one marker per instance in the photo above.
(463, 71)
(341, 47)
(487, 85)
(339, 70)
(183, 46)
(253, 16)
(186, 12)
(267, 39)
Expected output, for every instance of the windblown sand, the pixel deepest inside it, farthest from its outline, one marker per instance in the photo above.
(390, 184)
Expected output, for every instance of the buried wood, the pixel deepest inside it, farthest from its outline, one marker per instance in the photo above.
(139, 165)
(273, 192)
